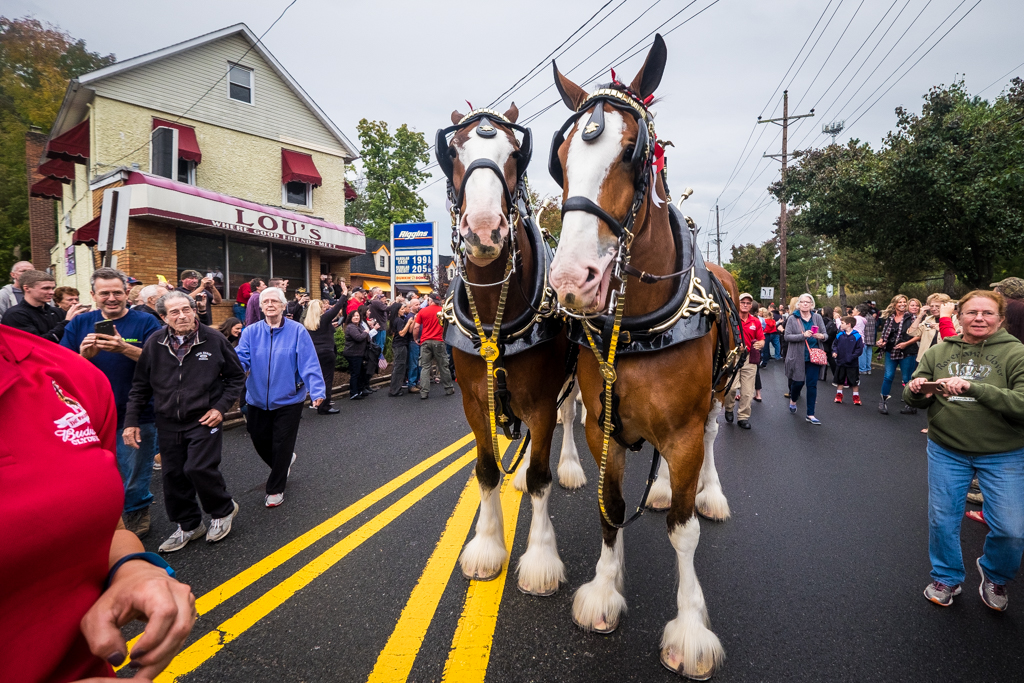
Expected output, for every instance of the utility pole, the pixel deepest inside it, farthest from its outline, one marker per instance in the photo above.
(718, 236)
(784, 122)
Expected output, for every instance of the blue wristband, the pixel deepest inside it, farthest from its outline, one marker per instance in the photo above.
(152, 558)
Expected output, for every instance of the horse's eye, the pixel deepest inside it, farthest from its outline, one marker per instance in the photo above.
(452, 153)
(628, 156)
(516, 155)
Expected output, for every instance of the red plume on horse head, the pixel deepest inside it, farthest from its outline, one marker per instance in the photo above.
(642, 87)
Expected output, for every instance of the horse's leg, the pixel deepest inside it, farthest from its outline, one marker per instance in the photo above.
(540, 568)
(519, 481)
(660, 499)
(688, 646)
(583, 409)
(570, 471)
(711, 502)
(483, 557)
(599, 604)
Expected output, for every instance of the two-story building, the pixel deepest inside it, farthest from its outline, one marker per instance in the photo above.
(226, 166)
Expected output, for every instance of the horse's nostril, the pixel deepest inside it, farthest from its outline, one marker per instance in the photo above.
(591, 274)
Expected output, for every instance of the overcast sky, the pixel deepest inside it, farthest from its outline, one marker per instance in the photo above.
(414, 61)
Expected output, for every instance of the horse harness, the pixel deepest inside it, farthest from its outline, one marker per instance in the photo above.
(688, 315)
(463, 327)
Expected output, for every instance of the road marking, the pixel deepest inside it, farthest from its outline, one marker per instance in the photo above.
(210, 644)
(471, 646)
(250, 575)
(395, 661)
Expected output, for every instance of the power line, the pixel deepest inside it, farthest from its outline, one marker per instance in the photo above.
(816, 41)
(822, 67)
(998, 80)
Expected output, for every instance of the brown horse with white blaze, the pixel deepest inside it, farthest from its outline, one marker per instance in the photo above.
(492, 309)
(607, 165)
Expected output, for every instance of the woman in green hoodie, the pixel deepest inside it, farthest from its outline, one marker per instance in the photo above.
(975, 402)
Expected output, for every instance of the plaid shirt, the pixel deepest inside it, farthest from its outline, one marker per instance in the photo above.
(895, 332)
(870, 327)
(181, 348)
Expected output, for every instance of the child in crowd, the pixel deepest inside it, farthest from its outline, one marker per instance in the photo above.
(846, 349)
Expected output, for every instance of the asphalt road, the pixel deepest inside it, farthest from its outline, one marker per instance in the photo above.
(817, 576)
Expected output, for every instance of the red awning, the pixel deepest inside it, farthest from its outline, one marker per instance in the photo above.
(59, 170)
(47, 188)
(188, 146)
(350, 193)
(299, 167)
(88, 234)
(72, 145)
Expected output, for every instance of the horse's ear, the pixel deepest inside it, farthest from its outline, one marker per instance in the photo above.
(456, 117)
(572, 94)
(513, 113)
(649, 77)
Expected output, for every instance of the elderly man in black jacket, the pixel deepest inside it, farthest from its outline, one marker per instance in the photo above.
(34, 314)
(193, 376)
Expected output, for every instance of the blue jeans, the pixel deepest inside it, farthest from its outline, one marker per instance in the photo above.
(414, 364)
(774, 346)
(239, 312)
(379, 338)
(136, 466)
(811, 380)
(907, 366)
(865, 359)
(1001, 478)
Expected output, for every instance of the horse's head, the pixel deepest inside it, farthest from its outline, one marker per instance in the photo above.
(484, 163)
(601, 163)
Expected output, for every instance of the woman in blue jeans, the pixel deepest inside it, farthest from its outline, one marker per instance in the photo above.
(900, 348)
(805, 330)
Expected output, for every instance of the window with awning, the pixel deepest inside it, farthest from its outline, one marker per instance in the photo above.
(47, 188)
(299, 167)
(71, 146)
(88, 234)
(188, 145)
(59, 170)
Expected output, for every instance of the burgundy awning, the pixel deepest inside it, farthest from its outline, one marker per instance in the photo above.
(188, 145)
(299, 167)
(47, 188)
(59, 170)
(350, 193)
(88, 234)
(71, 146)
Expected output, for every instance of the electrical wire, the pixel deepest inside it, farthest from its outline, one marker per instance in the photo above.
(999, 80)
(841, 36)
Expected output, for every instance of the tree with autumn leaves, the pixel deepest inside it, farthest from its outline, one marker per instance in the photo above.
(36, 62)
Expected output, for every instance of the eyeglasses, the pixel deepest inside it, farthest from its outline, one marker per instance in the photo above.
(980, 314)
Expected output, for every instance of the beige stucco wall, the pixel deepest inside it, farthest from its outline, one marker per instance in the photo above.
(234, 163)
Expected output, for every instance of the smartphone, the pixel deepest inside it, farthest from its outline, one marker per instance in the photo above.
(104, 327)
(931, 388)
(814, 329)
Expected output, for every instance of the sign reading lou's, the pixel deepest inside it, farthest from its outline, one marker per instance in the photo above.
(413, 253)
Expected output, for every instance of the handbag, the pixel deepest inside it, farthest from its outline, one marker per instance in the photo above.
(818, 356)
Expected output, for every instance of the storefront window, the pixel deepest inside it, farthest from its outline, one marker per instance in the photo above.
(203, 253)
(247, 260)
(289, 262)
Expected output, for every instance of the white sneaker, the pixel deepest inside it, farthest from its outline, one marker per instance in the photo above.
(291, 463)
(180, 538)
(275, 500)
(221, 527)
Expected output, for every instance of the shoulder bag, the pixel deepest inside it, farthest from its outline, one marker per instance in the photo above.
(817, 355)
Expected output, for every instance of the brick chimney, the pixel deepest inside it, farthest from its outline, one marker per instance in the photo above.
(42, 219)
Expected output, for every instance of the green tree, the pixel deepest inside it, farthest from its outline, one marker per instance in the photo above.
(755, 266)
(551, 217)
(36, 62)
(392, 166)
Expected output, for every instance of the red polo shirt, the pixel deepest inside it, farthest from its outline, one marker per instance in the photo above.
(62, 498)
(431, 330)
(752, 332)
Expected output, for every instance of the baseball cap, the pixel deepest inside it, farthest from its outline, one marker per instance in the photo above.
(1011, 287)
(300, 290)
(746, 295)
(132, 281)
(186, 274)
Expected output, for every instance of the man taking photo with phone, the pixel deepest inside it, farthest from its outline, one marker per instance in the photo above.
(112, 338)
(34, 314)
(203, 290)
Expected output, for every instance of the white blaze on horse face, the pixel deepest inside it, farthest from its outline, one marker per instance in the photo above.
(484, 226)
(582, 266)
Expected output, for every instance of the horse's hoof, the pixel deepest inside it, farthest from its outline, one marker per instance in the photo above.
(525, 590)
(674, 663)
(473, 577)
(601, 626)
(656, 508)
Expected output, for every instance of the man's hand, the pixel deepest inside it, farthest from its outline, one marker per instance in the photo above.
(88, 348)
(131, 436)
(114, 343)
(317, 402)
(955, 386)
(212, 418)
(75, 310)
(145, 592)
(835, 355)
(206, 283)
(947, 309)
(759, 344)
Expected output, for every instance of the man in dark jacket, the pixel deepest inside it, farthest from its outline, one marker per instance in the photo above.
(34, 314)
(193, 375)
(148, 297)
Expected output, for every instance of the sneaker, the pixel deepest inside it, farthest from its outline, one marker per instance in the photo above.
(992, 594)
(941, 594)
(792, 408)
(856, 399)
(274, 500)
(291, 463)
(221, 527)
(839, 398)
(743, 424)
(813, 420)
(908, 410)
(180, 538)
(157, 466)
(414, 390)
(449, 392)
(137, 522)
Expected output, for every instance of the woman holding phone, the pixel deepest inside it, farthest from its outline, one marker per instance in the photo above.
(805, 330)
(900, 348)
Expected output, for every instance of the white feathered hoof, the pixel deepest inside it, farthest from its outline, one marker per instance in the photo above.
(519, 481)
(690, 649)
(482, 558)
(570, 474)
(540, 571)
(660, 499)
(712, 504)
(598, 606)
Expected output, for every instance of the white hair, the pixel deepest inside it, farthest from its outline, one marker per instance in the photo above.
(150, 291)
(275, 292)
(808, 295)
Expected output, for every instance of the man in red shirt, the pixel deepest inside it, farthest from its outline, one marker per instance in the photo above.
(753, 337)
(428, 333)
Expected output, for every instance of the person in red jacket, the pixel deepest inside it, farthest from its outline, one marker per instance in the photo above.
(753, 338)
(71, 574)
